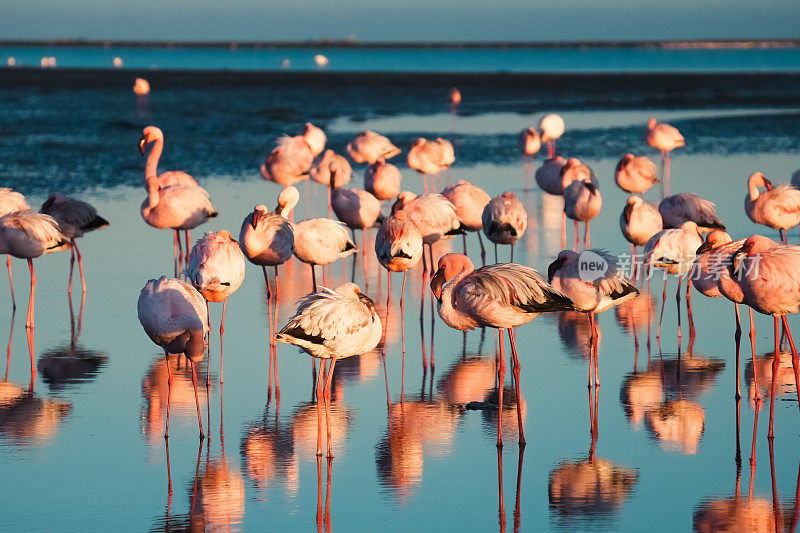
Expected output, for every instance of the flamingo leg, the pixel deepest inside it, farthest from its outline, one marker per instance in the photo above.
(403, 333)
(188, 245)
(678, 300)
(495, 252)
(29, 324)
(551, 149)
(11, 281)
(175, 244)
(425, 180)
(71, 268)
(512, 252)
(313, 279)
(320, 401)
(483, 250)
(208, 346)
(180, 254)
(364, 256)
(221, 351)
(587, 241)
(501, 504)
(737, 336)
(80, 265)
(663, 301)
(753, 353)
(328, 406)
(501, 381)
(795, 358)
(517, 369)
(464, 237)
(269, 330)
(775, 368)
(593, 349)
(169, 391)
(274, 335)
(197, 399)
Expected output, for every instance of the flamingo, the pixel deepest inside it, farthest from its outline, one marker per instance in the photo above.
(551, 127)
(674, 251)
(151, 134)
(433, 214)
(582, 202)
(678, 208)
(75, 218)
(315, 138)
(356, 208)
(267, 239)
(11, 201)
(382, 179)
(635, 175)
(141, 88)
(454, 97)
(777, 207)
(180, 207)
(529, 142)
(174, 316)
(321, 241)
(548, 176)
(332, 325)
(591, 291)
(504, 220)
(215, 267)
(325, 166)
(502, 296)
(368, 147)
(663, 138)
(469, 201)
(770, 284)
(638, 222)
(430, 157)
(710, 266)
(289, 162)
(398, 246)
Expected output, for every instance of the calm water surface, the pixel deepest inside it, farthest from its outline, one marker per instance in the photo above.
(85, 449)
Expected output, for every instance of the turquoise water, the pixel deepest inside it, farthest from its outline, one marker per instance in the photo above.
(424, 60)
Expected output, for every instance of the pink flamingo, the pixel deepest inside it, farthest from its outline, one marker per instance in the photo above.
(469, 201)
(635, 175)
(430, 157)
(551, 127)
(638, 222)
(75, 218)
(174, 316)
(678, 208)
(777, 207)
(398, 246)
(10, 202)
(770, 284)
(548, 176)
(321, 241)
(289, 162)
(315, 138)
(504, 221)
(435, 217)
(179, 207)
(358, 209)
(215, 267)
(582, 202)
(368, 147)
(708, 272)
(674, 250)
(502, 296)
(325, 166)
(454, 97)
(529, 142)
(332, 325)
(663, 138)
(591, 291)
(382, 179)
(28, 235)
(267, 239)
(151, 134)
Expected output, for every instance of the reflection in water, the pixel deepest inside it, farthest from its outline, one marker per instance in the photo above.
(784, 383)
(576, 332)
(27, 419)
(268, 450)
(467, 380)
(304, 425)
(415, 428)
(155, 389)
(70, 365)
(677, 425)
(509, 413)
(219, 501)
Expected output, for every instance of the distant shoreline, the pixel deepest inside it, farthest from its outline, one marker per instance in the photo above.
(707, 44)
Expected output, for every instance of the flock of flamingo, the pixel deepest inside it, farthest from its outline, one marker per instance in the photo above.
(682, 236)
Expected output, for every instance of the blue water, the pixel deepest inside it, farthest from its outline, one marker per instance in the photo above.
(423, 60)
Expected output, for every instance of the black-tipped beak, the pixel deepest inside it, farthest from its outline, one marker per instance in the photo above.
(768, 184)
(553, 268)
(437, 282)
(705, 247)
(738, 257)
(142, 144)
(254, 219)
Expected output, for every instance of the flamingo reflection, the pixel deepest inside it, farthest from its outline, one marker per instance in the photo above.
(27, 419)
(269, 453)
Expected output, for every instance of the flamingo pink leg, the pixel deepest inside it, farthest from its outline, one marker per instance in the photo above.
(11, 282)
(663, 301)
(563, 231)
(169, 390)
(551, 149)
(328, 406)
(678, 300)
(71, 268)
(501, 382)
(175, 244)
(274, 337)
(576, 241)
(221, 352)
(80, 265)
(320, 401)
(403, 333)
(197, 399)
(753, 352)
(587, 241)
(517, 369)
(775, 368)
(269, 330)
(795, 358)
(483, 250)
(29, 323)
(738, 336)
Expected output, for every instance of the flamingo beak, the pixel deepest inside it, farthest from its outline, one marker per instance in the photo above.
(705, 247)
(553, 268)
(738, 257)
(767, 184)
(437, 282)
(142, 144)
(196, 346)
(254, 219)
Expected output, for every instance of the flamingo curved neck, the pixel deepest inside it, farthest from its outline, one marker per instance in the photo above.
(151, 170)
(753, 191)
(453, 316)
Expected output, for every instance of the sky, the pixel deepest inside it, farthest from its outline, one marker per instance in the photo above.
(409, 20)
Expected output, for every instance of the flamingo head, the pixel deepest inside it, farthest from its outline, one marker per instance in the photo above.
(757, 179)
(149, 134)
(450, 265)
(351, 290)
(564, 257)
(287, 199)
(626, 159)
(402, 198)
(713, 240)
(195, 346)
(754, 244)
(652, 123)
(690, 226)
(259, 212)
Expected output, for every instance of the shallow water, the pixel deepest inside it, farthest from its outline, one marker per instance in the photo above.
(85, 448)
